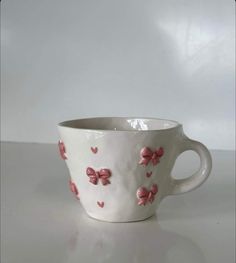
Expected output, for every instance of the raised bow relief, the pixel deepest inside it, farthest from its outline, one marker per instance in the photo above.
(147, 155)
(62, 150)
(144, 195)
(101, 175)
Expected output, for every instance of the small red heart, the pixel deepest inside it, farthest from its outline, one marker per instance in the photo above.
(148, 174)
(101, 204)
(94, 149)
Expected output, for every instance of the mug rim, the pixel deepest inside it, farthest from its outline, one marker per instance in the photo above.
(66, 124)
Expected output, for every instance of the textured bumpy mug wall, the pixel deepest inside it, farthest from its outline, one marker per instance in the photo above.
(121, 175)
(143, 194)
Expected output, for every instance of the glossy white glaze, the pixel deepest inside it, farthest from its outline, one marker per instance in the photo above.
(118, 143)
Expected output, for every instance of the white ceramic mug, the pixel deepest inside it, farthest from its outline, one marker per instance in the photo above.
(121, 167)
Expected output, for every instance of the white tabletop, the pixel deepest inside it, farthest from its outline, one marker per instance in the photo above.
(42, 222)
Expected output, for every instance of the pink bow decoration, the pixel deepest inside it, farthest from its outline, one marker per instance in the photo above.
(148, 155)
(95, 176)
(144, 195)
(62, 150)
(74, 189)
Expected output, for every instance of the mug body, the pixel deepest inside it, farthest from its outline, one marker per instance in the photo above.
(120, 167)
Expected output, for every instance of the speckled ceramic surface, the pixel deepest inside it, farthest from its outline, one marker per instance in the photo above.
(120, 168)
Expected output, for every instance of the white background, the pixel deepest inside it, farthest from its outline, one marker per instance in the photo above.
(71, 59)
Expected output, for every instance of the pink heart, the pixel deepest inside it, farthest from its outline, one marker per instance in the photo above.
(148, 174)
(94, 149)
(101, 204)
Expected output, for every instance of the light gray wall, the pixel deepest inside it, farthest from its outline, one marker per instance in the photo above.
(78, 58)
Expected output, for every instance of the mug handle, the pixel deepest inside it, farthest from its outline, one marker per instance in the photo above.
(180, 186)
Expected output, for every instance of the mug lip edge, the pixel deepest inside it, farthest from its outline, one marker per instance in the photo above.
(62, 124)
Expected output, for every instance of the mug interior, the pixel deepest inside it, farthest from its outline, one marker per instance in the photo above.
(120, 124)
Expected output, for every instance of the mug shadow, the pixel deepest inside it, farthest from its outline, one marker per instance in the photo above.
(144, 241)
